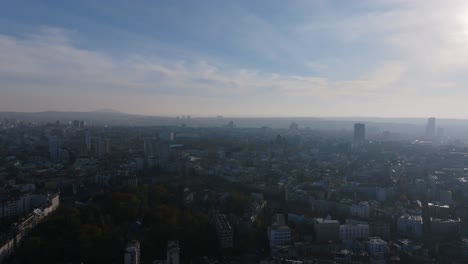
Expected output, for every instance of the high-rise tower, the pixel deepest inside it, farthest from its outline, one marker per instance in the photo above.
(431, 128)
(359, 133)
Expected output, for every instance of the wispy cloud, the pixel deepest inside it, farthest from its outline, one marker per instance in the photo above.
(48, 62)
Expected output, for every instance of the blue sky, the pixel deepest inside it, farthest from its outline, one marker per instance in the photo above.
(236, 58)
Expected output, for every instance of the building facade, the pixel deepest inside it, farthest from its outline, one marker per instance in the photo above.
(132, 253)
(361, 210)
(224, 231)
(376, 247)
(410, 225)
(173, 252)
(354, 231)
(359, 133)
(279, 235)
(326, 229)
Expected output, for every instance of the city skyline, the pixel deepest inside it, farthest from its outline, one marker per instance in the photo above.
(314, 58)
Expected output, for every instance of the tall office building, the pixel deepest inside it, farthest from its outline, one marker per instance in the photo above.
(108, 145)
(294, 126)
(431, 128)
(326, 229)
(54, 148)
(132, 253)
(88, 140)
(150, 147)
(75, 123)
(359, 133)
(99, 146)
(440, 133)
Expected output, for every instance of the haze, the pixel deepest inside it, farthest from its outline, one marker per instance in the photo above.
(238, 58)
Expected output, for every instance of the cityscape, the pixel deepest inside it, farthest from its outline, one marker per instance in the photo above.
(79, 193)
(234, 132)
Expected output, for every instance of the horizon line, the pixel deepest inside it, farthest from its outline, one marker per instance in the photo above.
(113, 111)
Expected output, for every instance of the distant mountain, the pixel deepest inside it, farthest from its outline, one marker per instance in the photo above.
(107, 110)
(99, 117)
(414, 126)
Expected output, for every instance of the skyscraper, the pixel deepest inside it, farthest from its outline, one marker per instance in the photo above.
(431, 128)
(150, 147)
(294, 126)
(54, 148)
(359, 133)
(88, 140)
(75, 123)
(108, 145)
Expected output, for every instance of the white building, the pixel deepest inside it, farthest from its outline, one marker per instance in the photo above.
(279, 235)
(132, 253)
(352, 231)
(22, 228)
(410, 225)
(21, 204)
(376, 247)
(7, 249)
(54, 203)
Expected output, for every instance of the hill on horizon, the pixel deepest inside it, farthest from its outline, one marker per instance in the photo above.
(415, 126)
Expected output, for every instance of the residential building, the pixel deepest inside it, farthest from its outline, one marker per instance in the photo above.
(279, 235)
(353, 231)
(173, 252)
(445, 227)
(7, 248)
(410, 226)
(361, 210)
(439, 210)
(376, 247)
(326, 229)
(21, 204)
(224, 231)
(20, 229)
(132, 253)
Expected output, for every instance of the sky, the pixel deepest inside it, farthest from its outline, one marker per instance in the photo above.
(314, 58)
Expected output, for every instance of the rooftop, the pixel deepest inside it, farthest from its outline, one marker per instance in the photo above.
(376, 240)
(325, 221)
